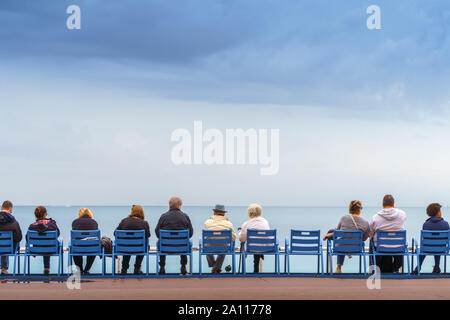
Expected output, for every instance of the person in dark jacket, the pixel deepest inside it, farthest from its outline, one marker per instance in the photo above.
(434, 222)
(174, 219)
(85, 221)
(9, 223)
(135, 221)
(41, 225)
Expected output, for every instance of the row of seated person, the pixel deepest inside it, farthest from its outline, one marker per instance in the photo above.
(259, 242)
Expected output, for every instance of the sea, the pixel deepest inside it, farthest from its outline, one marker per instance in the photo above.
(283, 219)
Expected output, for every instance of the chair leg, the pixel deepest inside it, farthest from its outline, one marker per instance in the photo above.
(409, 267)
(321, 262)
(157, 264)
(234, 263)
(365, 266)
(244, 269)
(360, 264)
(331, 264)
(445, 263)
(15, 259)
(200, 263)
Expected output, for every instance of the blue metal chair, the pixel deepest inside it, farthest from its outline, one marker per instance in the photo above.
(8, 249)
(392, 243)
(262, 242)
(347, 242)
(130, 243)
(432, 243)
(216, 243)
(174, 242)
(43, 244)
(86, 243)
(306, 243)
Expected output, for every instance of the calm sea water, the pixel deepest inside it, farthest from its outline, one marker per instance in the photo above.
(281, 218)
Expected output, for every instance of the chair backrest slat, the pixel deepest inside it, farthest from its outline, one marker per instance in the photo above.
(130, 241)
(435, 241)
(85, 241)
(391, 241)
(42, 243)
(217, 241)
(305, 241)
(174, 241)
(6, 242)
(261, 241)
(349, 241)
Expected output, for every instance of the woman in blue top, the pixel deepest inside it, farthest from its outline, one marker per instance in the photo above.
(434, 222)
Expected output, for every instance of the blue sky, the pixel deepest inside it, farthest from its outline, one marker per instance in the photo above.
(87, 114)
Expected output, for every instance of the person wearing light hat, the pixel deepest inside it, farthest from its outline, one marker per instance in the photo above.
(218, 222)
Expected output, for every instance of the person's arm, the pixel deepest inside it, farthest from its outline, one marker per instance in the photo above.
(191, 229)
(17, 234)
(243, 233)
(233, 233)
(158, 226)
(147, 230)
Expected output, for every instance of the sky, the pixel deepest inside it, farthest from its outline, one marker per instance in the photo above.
(87, 115)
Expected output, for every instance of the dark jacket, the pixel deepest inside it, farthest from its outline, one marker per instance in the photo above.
(43, 225)
(435, 223)
(9, 223)
(84, 223)
(130, 223)
(174, 219)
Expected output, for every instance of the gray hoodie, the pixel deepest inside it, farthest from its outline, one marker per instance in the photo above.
(391, 219)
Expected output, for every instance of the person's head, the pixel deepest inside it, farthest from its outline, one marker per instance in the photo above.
(40, 212)
(355, 207)
(85, 212)
(7, 206)
(254, 211)
(434, 210)
(219, 210)
(137, 212)
(388, 201)
(175, 203)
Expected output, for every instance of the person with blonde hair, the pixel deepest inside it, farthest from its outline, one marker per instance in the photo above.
(256, 221)
(85, 221)
(135, 221)
(351, 221)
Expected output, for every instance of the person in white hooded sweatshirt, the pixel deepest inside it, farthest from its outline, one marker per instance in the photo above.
(388, 219)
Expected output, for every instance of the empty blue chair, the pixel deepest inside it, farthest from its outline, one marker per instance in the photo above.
(305, 243)
(347, 242)
(86, 243)
(432, 243)
(7, 248)
(261, 242)
(43, 244)
(174, 242)
(391, 243)
(216, 243)
(130, 243)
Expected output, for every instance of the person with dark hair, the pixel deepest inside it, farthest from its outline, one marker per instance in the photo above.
(434, 222)
(135, 221)
(41, 225)
(388, 219)
(351, 221)
(174, 219)
(9, 223)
